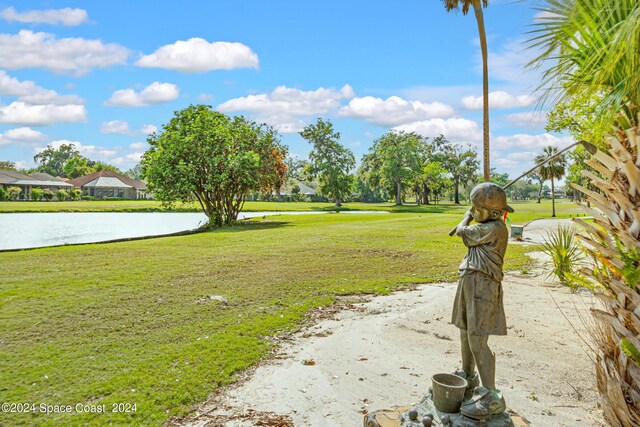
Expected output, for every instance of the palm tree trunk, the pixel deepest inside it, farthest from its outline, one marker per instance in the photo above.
(553, 199)
(477, 9)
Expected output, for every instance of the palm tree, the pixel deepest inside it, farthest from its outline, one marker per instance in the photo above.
(477, 9)
(589, 46)
(554, 169)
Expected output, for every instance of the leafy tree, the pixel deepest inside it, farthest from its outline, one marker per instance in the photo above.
(98, 166)
(216, 159)
(434, 180)
(14, 192)
(52, 160)
(7, 165)
(295, 167)
(3, 194)
(500, 178)
(477, 9)
(76, 166)
(536, 177)
(135, 172)
(365, 193)
(461, 163)
(522, 190)
(329, 162)
(394, 161)
(551, 170)
(36, 193)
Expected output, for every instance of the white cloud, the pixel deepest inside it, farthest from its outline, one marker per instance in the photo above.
(498, 99)
(529, 142)
(284, 107)
(155, 93)
(148, 129)
(529, 119)
(454, 129)
(40, 115)
(29, 92)
(90, 151)
(136, 157)
(23, 134)
(67, 16)
(205, 97)
(76, 56)
(119, 127)
(138, 146)
(197, 55)
(394, 110)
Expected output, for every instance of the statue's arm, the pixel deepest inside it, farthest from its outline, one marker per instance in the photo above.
(464, 223)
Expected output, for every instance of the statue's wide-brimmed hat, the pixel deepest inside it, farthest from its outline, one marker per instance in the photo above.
(490, 196)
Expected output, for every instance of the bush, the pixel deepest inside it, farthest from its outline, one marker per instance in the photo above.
(75, 194)
(61, 195)
(566, 255)
(3, 194)
(87, 198)
(36, 193)
(47, 194)
(14, 192)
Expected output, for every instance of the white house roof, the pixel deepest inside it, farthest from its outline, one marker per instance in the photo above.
(42, 183)
(104, 181)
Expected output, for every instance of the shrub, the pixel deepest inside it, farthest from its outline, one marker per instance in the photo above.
(47, 194)
(14, 192)
(87, 198)
(3, 194)
(61, 195)
(75, 194)
(36, 193)
(566, 255)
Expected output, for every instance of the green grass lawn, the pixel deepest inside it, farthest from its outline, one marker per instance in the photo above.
(129, 322)
(525, 211)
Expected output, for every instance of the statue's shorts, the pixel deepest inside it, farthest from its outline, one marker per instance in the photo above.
(478, 306)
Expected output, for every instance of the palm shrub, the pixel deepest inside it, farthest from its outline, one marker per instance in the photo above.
(612, 241)
(75, 194)
(36, 193)
(3, 194)
(566, 254)
(47, 194)
(61, 195)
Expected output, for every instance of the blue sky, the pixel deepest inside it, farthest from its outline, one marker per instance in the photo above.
(104, 74)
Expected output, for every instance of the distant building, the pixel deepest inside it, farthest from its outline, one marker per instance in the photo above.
(11, 178)
(107, 184)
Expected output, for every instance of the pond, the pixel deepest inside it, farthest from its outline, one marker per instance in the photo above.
(34, 230)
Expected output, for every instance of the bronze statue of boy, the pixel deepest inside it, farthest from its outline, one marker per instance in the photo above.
(478, 309)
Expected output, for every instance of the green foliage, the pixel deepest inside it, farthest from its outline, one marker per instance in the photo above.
(552, 170)
(47, 194)
(462, 164)
(76, 167)
(565, 254)
(75, 194)
(61, 195)
(590, 47)
(7, 165)
(630, 350)
(87, 198)
(4, 195)
(135, 172)
(36, 193)
(215, 159)
(329, 162)
(14, 192)
(394, 162)
(52, 160)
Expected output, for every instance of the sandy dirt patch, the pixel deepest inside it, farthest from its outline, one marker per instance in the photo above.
(383, 352)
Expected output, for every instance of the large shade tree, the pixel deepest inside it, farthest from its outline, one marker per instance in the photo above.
(552, 170)
(215, 159)
(329, 162)
(394, 161)
(477, 6)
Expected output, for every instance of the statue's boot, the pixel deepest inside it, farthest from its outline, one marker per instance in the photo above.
(484, 403)
(472, 382)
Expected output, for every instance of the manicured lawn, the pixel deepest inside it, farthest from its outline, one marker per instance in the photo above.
(525, 211)
(130, 322)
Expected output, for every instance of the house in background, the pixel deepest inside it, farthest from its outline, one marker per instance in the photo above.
(11, 178)
(107, 184)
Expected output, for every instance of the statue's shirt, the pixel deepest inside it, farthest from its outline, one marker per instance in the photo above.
(487, 243)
